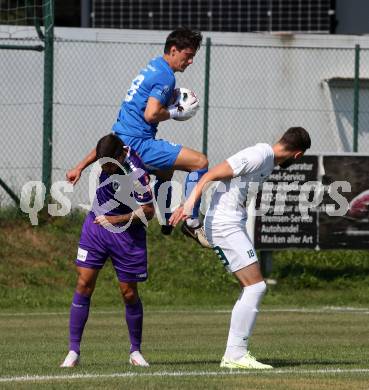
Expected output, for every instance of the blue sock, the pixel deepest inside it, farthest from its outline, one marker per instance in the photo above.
(168, 200)
(191, 181)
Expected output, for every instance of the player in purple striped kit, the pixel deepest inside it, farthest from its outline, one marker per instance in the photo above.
(115, 228)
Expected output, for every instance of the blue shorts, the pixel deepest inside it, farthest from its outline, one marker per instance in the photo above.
(157, 154)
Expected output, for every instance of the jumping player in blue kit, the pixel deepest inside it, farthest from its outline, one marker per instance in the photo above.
(148, 102)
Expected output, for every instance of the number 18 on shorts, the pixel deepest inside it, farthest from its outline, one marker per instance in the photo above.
(235, 251)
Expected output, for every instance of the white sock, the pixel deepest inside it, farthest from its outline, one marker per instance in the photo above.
(243, 320)
(193, 222)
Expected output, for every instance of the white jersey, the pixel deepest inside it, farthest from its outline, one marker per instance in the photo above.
(227, 211)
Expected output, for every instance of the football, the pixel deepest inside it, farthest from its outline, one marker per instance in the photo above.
(186, 101)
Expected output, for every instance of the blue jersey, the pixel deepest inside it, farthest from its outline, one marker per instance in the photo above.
(156, 80)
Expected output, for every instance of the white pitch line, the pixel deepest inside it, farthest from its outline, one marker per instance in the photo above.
(330, 309)
(45, 378)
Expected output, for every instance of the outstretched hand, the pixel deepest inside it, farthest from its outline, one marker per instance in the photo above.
(176, 216)
(181, 214)
(73, 175)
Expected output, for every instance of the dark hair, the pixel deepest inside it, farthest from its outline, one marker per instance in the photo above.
(296, 138)
(183, 38)
(110, 146)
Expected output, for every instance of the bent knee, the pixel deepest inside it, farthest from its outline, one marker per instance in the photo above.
(85, 287)
(130, 296)
(201, 162)
(259, 287)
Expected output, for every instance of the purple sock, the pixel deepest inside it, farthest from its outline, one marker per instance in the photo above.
(134, 318)
(78, 318)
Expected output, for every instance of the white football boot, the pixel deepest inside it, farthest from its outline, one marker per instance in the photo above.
(72, 360)
(136, 359)
(247, 362)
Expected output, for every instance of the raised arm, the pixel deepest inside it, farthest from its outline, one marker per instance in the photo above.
(219, 172)
(74, 174)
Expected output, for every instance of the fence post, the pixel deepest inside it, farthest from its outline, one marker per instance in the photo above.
(356, 98)
(266, 262)
(48, 10)
(85, 13)
(206, 97)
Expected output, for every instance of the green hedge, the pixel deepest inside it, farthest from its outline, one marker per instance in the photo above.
(37, 270)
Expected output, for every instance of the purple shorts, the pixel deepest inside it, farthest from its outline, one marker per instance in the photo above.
(127, 250)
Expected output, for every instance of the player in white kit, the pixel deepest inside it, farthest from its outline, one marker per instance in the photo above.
(225, 227)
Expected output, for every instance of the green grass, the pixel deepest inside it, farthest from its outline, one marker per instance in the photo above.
(37, 271)
(184, 330)
(191, 341)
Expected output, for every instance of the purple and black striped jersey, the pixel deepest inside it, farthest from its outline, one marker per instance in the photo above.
(125, 190)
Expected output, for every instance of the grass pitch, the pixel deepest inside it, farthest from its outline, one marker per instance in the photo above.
(311, 349)
(314, 349)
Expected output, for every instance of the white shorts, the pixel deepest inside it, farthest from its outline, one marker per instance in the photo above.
(235, 250)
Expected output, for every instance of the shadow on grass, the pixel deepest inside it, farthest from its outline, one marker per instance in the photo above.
(124, 367)
(273, 362)
(185, 362)
(297, 363)
(123, 364)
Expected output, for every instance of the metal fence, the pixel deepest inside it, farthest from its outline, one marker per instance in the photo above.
(21, 104)
(255, 93)
(210, 15)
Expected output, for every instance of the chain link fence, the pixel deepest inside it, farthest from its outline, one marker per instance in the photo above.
(256, 92)
(21, 105)
(265, 90)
